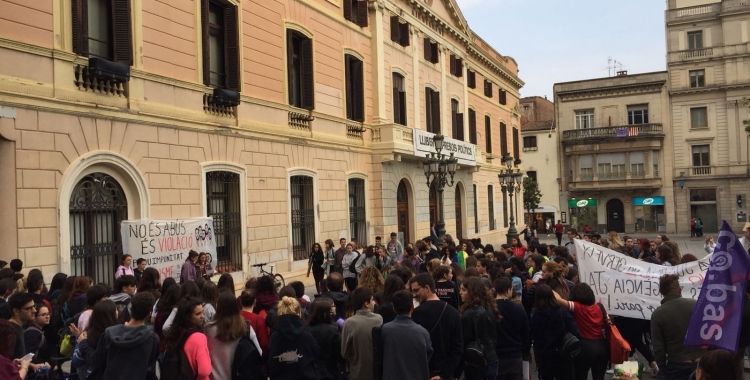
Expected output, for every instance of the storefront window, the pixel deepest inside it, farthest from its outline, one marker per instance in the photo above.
(583, 213)
(649, 214)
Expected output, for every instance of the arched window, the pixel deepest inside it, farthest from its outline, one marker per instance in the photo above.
(303, 215)
(97, 206)
(223, 204)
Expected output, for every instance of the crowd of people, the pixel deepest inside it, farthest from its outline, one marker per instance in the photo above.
(427, 310)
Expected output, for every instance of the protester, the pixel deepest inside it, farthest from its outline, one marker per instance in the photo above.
(11, 368)
(709, 245)
(559, 228)
(226, 284)
(94, 295)
(371, 278)
(549, 323)
(406, 345)
(188, 272)
(265, 295)
(128, 351)
(187, 290)
(186, 337)
(223, 335)
(164, 307)
(140, 267)
(321, 324)
(103, 316)
(316, 261)
(445, 289)
(125, 288)
(335, 285)
(34, 339)
(394, 247)
(669, 324)
(715, 365)
(209, 296)
(666, 256)
(292, 350)
(512, 332)
(6, 289)
(76, 301)
(571, 245)
(356, 340)
(125, 267)
(23, 311)
(348, 263)
(478, 316)
(442, 322)
(203, 268)
(386, 309)
(257, 321)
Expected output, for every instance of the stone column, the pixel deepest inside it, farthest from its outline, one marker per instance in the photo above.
(593, 167)
(378, 64)
(628, 174)
(649, 167)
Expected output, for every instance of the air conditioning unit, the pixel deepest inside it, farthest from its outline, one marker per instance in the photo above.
(105, 69)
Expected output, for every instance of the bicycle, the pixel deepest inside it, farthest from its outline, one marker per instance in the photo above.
(278, 280)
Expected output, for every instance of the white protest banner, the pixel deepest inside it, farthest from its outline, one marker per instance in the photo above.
(628, 287)
(165, 244)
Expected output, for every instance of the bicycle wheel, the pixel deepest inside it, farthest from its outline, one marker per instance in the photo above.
(278, 281)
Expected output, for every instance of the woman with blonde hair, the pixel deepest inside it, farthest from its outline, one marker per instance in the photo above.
(372, 279)
(614, 240)
(433, 265)
(292, 350)
(554, 276)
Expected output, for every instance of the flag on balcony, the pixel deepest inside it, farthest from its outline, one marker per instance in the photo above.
(621, 132)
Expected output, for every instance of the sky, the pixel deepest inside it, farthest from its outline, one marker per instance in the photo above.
(557, 41)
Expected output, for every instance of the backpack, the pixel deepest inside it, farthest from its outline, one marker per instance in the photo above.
(353, 265)
(619, 348)
(474, 351)
(123, 310)
(41, 343)
(247, 363)
(176, 365)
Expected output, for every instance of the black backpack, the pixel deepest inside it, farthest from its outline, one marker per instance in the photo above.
(123, 314)
(247, 363)
(176, 365)
(377, 352)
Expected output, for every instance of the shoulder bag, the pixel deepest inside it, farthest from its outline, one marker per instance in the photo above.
(571, 346)
(474, 351)
(619, 348)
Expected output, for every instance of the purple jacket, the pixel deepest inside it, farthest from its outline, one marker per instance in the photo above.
(188, 272)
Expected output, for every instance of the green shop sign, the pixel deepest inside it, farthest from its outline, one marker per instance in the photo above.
(574, 203)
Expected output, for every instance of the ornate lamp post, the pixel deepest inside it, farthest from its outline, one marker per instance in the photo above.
(511, 180)
(437, 168)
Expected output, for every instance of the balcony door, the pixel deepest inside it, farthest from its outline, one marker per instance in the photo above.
(459, 215)
(615, 215)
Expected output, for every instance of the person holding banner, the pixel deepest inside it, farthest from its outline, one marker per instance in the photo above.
(188, 272)
(125, 267)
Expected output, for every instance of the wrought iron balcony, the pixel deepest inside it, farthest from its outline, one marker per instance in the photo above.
(622, 131)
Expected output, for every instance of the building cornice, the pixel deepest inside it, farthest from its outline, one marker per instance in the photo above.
(609, 91)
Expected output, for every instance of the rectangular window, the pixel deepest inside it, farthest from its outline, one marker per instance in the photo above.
(471, 78)
(697, 78)
(356, 11)
(637, 164)
(476, 210)
(638, 114)
(655, 160)
(300, 70)
(516, 149)
(529, 143)
(432, 110)
(703, 195)
(456, 66)
(102, 28)
(491, 206)
(695, 40)
(472, 126)
(701, 155)
(223, 204)
(585, 167)
(584, 119)
(487, 134)
(457, 119)
(355, 98)
(357, 217)
(399, 99)
(431, 53)
(699, 117)
(221, 65)
(487, 88)
(503, 139)
(532, 175)
(503, 97)
(303, 215)
(399, 32)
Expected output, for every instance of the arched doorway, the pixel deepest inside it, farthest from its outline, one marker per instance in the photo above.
(402, 212)
(97, 206)
(433, 206)
(459, 215)
(615, 215)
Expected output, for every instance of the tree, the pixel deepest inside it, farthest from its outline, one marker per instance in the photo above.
(531, 194)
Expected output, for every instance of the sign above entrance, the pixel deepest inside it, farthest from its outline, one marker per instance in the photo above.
(462, 150)
(574, 203)
(653, 201)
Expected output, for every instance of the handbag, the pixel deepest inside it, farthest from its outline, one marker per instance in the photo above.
(571, 345)
(474, 351)
(619, 348)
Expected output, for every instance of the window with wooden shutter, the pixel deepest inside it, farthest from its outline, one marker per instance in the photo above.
(355, 99)
(516, 149)
(399, 32)
(503, 139)
(102, 28)
(487, 88)
(457, 121)
(432, 110)
(503, 97)
(300, 70)
(221, 61)
(472, 126)
(471, 79)
(459, 67)
(356, 11)
(399, 99)
(487, 134)
(431, 53)
(404, 34)
(362, 13)
(453, 65)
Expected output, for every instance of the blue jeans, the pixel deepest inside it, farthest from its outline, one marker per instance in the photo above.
(492, 371)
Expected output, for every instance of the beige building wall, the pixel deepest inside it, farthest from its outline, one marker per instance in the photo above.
(158, 138)
(719, 32)
(610, 99)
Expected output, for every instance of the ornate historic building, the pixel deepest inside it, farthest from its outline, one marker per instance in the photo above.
(288, 121)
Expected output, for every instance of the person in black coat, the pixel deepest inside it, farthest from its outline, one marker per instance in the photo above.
(322, 326)
(478, 316)
(549, 323)
(292, 351)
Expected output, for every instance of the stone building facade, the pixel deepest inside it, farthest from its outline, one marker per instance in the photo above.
(709, 76)
(288, 121)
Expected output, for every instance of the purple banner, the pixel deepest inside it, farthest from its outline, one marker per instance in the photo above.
(717, 316)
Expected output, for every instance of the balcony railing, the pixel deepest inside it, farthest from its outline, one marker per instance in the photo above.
(702, 170)
(637, 174)
(640, 130)
(611, 176)
(587, 176)
(689, 13)
(709, 52)
(656, 174)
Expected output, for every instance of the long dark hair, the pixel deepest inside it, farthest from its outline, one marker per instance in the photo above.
(65, 292)
(189, 289)
(582, 293)
(103, 315)
(182, 321)
(478, 296)
(150, 281)
(58, 282)
(81, 285)
(265, 285)
(35, 282)
(226, 284)
(545, 299)
(320, 312)
(168, 300)
(228, 321)
(392, 284)
(210, 293)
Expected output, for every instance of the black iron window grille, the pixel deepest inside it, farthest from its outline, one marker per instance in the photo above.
(224, 205)
(97, 206)
(357, 219)
(303, 216)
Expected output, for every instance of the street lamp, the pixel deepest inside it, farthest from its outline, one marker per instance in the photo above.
(437, 168)
(510, 183)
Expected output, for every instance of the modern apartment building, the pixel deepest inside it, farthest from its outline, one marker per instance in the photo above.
(708, 60)
(615, 153)
(288, 121)
(540, 152)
